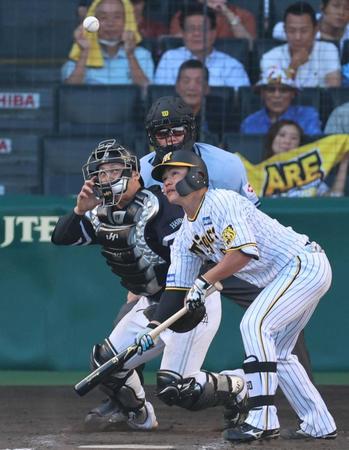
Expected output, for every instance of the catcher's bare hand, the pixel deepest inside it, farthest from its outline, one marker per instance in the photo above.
(86, 199)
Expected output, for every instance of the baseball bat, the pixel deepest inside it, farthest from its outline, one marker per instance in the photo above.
(116, 362)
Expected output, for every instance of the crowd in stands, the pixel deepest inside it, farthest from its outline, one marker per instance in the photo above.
(218, 54)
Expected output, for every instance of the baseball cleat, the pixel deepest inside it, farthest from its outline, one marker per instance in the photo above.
(144, 419)
(105, 417)
(300, 434)
(247, 433)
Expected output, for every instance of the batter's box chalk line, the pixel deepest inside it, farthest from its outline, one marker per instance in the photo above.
(131, 447)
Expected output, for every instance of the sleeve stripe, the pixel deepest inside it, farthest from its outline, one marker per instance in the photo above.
(250, 244)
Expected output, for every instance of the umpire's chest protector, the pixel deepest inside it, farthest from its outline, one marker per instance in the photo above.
(122, 234)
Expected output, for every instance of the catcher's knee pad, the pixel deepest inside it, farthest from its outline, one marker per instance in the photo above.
(253, 368)
(102, 353)
(218, 389)
(173, 389)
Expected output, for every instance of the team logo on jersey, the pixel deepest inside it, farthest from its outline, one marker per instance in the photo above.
(228, 235)
(111, 236)
(203, 245)
(207, 220)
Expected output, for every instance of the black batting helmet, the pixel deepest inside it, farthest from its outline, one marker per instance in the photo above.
(170, 112)
(197, 176)
(110, 151)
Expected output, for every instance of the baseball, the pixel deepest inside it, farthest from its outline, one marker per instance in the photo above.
(91, 24)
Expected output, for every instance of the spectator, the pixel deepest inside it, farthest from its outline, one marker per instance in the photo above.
(338, 122)
(146, 26)
(283, 136)
(332, 22)
(199, 35)
(112, 55)
(232, 21)
(287, 135)
(277, 92)
(193, 88)
(311, 63)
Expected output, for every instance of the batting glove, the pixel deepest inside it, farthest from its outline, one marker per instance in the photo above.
(143, 340)
(196, 296)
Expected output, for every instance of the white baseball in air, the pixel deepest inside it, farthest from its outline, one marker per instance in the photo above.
(91, 24)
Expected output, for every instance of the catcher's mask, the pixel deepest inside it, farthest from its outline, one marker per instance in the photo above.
(195, 179)
(170, 114)
(111, 165)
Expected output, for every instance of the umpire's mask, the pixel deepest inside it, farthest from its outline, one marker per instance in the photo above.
(170, 115)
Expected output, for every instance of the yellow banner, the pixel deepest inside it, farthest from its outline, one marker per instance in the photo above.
(303, 168)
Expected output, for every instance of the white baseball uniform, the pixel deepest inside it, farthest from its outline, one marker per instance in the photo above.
(183, 353)
(295, 274)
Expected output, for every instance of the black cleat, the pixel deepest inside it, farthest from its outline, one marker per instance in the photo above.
(105, 417)
(300, 434)
(246, 433)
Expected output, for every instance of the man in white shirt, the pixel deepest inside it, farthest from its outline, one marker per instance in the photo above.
(224, 70)
(311, 63)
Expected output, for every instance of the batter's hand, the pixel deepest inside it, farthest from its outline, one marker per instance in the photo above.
(143, 340)
(196, 296)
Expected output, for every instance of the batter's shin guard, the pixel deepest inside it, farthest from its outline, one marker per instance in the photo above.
(261, 382)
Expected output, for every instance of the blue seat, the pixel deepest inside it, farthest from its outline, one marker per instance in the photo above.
(260, 47)
(20, 171)
(100, 110)
(36, 30)
(62, 160)
(331, 98)
(249, 146)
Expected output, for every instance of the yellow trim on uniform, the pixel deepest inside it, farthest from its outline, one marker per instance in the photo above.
(250, 244)
(192, 219)
(176, 289)
(174, 163)
(260, 327)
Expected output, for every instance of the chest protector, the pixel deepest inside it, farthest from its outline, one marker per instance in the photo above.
(122, 235)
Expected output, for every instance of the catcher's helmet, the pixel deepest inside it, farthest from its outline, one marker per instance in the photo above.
(110, 151)
(197, 176)
(170, 112)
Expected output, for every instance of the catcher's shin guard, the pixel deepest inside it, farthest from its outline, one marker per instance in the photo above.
(123, 387)
(219, 389)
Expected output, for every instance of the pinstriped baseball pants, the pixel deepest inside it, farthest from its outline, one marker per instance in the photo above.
(270, 328)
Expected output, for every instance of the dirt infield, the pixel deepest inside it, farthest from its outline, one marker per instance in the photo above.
(52, 418)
